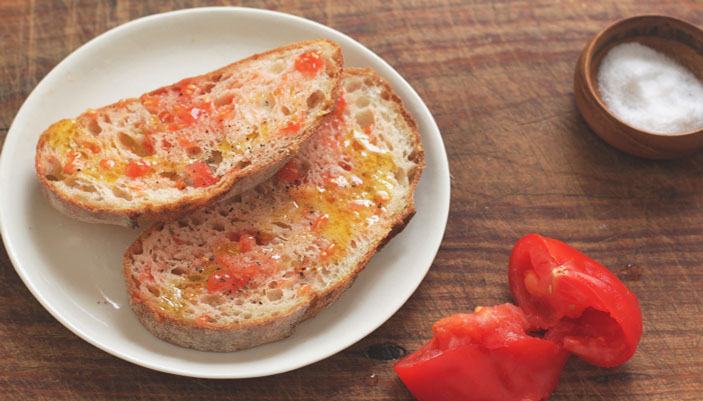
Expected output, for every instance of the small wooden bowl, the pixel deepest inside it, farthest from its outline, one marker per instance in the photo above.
(677, 39)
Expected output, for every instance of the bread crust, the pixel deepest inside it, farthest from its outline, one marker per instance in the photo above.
(255, 332)
(231, 183)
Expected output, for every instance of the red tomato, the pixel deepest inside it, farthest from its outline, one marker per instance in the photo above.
(486, 355)
(238, 273)
(219, 281)
(341, 105)
(247, 242)
(293, 127)
(309, 63)
(74, 163)
(137, 168)
(201, 174)
(580, 302)
(319, 222)
(107, 164)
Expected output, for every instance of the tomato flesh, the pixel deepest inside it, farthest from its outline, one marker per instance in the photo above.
(137, 168)
(309, 63)
(577, 300)
(486, 355)
(201, 174)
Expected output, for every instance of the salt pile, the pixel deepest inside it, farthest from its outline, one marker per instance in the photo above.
(649, 90)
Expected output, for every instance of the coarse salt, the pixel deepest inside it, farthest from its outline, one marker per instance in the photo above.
(650, 91)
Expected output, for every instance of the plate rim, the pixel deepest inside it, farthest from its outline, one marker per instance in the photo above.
(441, 210)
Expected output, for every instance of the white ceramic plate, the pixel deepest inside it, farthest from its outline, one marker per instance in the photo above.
(74, 268)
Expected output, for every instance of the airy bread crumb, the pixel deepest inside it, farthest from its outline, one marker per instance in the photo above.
(246, 271)
(185, 145)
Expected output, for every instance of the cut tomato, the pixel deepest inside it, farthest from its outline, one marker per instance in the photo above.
(576, 299)
(579, 305)
(486, 355)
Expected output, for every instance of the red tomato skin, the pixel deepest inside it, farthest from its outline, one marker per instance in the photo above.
(485, 356)
(585, 306)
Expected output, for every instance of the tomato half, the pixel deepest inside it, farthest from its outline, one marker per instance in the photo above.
(486, 355)
(578, 301)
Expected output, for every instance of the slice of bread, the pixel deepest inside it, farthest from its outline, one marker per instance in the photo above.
(184, 145)
(245, 272)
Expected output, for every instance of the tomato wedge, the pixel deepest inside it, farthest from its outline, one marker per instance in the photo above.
(486, 355)
(580, 303)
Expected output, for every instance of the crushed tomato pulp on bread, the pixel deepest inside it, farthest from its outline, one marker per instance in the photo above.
(339, 186)
(180, 134)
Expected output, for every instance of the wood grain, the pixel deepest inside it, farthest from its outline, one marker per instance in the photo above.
(498, 78)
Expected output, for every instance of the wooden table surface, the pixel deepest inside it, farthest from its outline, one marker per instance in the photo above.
(497, 76)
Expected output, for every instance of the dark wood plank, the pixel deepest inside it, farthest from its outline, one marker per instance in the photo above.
(497, 76)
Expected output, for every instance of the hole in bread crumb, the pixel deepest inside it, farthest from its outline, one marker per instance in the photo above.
(277, 67)
(194, 151)
(265, 101)
(281, 224)
(212, 300)
(223, 100)
(94, 127)
(247, 315)
(215, 158)
(353, 244)
(178, 271)
(385, 95)
(183, 223)
(413, 172)
(368, 82)
(274, 294)
(242, 164)
(362, 102)
(401, 176)
(273, 284)
(132, 145)
(51, 177)
(315, 99)
(154, 290)
(171, 175)
(208, 88)
(121, 193)
(261, 189)
(353, 85)
(218, 227)
(216, 78)
(285, 110)
(364, 118)
(195, 221)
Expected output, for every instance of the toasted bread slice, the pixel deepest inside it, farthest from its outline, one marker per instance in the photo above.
(184, 145)
(246, 271)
